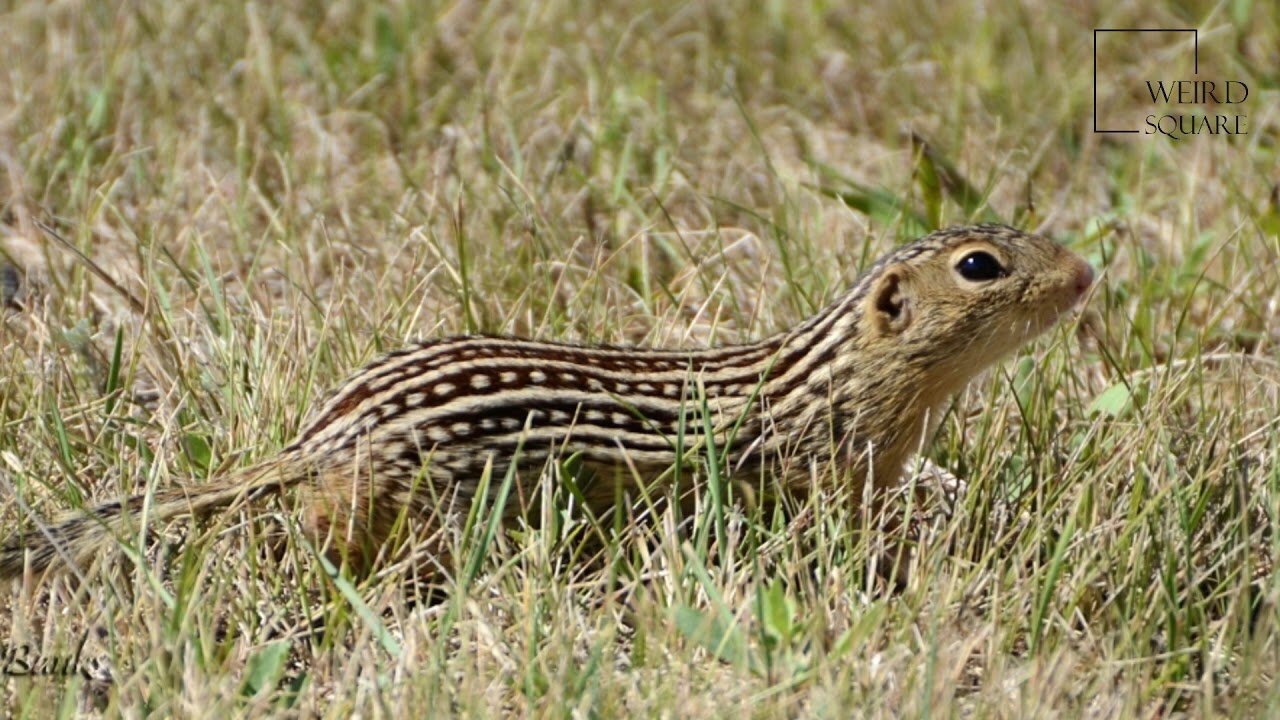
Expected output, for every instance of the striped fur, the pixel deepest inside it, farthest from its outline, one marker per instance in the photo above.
(860, 383)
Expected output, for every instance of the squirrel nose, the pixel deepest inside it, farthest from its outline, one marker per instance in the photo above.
(1084, 277)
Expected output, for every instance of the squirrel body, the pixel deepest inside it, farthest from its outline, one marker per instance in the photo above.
(411, 435)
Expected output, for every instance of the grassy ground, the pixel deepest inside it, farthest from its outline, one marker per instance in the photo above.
(268, 194)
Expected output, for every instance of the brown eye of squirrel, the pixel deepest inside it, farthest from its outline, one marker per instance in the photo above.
(980, 266)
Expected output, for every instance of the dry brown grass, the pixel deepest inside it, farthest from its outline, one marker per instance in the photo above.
(281, 190)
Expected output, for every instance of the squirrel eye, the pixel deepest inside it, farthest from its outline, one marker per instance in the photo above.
(980, 266)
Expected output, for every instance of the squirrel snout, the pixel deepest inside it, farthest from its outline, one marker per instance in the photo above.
(1084, 277)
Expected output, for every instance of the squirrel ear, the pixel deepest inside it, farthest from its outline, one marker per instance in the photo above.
(888, 305)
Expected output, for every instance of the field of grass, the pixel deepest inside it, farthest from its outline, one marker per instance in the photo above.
(256, 198)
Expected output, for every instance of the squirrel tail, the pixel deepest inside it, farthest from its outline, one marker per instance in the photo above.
(76, 538)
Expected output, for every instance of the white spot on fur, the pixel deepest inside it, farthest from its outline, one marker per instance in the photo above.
(480, 382)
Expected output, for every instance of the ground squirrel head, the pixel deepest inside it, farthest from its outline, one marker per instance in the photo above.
(961, 299)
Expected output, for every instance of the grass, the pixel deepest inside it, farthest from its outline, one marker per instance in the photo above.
(266, 195)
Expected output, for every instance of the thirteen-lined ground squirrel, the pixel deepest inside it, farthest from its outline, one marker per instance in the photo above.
(862, 383)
